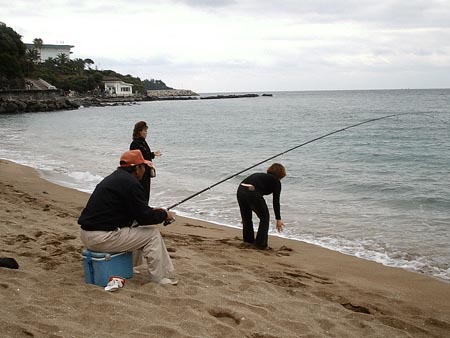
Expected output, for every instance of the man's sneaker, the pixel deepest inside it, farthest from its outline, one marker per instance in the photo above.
(168, 281)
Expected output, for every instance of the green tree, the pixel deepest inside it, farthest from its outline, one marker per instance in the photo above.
(88, 62)
(38, 43)
(32, 55)
(62, 59)
(50, 63)
(12, 58)
(155, 85)
(78, 65)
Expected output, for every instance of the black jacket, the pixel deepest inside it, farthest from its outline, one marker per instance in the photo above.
(266, 184)
(141, 144)
(116, 202)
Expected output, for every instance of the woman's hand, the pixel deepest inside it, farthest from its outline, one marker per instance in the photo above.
(157, 153)
(280, 225)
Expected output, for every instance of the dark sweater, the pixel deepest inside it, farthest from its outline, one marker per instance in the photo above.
(267, 184)
(141, 144)
(116, 202)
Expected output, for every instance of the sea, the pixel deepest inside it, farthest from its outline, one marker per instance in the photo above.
(379, 191)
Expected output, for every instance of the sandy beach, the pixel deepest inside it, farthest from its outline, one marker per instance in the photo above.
(224, 290)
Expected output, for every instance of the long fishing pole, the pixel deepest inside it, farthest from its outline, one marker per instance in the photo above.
(279, 154)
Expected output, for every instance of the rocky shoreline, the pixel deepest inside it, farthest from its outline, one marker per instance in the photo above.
(31, 105)
(11, 106)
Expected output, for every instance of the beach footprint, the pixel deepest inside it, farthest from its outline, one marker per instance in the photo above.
(226, 316)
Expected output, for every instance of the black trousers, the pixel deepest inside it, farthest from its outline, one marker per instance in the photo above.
(249, 202)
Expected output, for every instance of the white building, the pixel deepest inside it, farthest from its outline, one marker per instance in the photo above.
(51, 51)
(116, 87)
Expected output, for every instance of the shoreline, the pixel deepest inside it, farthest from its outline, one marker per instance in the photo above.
(387, 260)
(294, 290)
(360, 255)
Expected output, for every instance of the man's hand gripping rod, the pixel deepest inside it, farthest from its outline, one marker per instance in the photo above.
(167, 222)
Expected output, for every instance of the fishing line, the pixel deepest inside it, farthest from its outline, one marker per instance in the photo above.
(282, 153)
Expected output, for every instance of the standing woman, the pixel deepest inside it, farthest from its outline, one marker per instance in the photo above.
(139, 136)
(250, 196)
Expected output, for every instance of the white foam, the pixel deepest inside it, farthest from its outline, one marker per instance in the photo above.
(85, 176)
(370, 251)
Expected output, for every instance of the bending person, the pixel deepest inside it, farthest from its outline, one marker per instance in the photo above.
(139, 135)
(107, 221)
(250, 196)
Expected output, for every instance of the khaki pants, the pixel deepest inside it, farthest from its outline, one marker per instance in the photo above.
(143, 241)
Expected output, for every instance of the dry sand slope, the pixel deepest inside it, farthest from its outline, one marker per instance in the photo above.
(225, 289)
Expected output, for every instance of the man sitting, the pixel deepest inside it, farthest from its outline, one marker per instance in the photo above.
(117, 216)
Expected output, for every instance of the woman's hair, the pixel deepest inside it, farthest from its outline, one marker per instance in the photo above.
(277, 170)
(138, 127)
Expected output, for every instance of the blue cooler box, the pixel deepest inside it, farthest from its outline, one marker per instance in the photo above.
(99, 266)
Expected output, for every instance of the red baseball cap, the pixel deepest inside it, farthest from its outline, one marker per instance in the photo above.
(133, 157)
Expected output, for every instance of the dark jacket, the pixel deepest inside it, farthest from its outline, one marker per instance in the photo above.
(141, 144)
(116, 202)
(266, 184)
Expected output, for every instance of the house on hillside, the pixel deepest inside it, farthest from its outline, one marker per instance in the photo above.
(51, 51)
(117, 88)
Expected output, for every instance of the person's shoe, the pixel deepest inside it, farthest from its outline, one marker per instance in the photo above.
(167, 281)
(266, 248)
(115, 283)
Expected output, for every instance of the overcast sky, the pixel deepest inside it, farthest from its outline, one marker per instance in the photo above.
(251, 45)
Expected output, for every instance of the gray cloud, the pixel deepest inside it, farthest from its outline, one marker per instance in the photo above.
(207, 3)
(289, 44)
(387, 13)
(390, 13)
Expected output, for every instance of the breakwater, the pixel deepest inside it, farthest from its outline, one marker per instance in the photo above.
(160, 95)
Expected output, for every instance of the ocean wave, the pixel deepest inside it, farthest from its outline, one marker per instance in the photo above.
(85, 176)
(372, 251)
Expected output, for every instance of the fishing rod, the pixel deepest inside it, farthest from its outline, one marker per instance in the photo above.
(279, 154)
